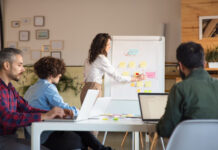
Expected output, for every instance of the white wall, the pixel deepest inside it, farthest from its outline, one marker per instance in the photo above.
(78, 21)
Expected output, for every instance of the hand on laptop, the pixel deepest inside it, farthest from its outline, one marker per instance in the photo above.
(68, 113)
(55, 112)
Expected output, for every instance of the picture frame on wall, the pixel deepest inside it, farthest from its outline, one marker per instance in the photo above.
(12, 44)
(208, 27)
(39, 21)
(57, 45)
(46, 48)
(45, 54)
(35, 54)
(15, 24)
(42, 34)
(56, 54)
(24, 35)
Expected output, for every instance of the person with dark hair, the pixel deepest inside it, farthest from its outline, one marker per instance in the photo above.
(193, 98)
(15, 111)
(97, 65)
(44, 95)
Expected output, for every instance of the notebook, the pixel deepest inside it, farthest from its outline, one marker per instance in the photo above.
(152, 105)
(86, 108)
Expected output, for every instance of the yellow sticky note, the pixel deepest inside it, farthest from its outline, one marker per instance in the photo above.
(125, 73)
(139, 84)
(131, 64)
(138, 90)
(146, 91)
(149, 91)
(147, 83)
(132, 84)
(142, 64)
(122, 65)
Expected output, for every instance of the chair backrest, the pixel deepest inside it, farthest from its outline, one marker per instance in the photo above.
(195, 135)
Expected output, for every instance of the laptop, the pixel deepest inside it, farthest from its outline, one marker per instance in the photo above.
(100, 107)
(86, 108)
(152, 105)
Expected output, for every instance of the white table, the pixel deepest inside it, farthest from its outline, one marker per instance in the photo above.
(122, 125)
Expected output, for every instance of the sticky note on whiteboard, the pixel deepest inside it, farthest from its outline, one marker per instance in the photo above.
(138, 90)
(131, 64)
(139, 84)
(147, 83)
(142, 64)
(150, 75)
(122, 65)
(132, 84)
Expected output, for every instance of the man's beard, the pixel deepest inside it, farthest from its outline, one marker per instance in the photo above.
(182, 75)
(14, 77)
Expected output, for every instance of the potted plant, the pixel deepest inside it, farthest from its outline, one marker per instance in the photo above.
(212, 57)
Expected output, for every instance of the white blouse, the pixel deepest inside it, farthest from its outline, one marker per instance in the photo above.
(95, 71)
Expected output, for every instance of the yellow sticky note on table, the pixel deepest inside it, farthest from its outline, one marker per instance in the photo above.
(142, 64)
(132, 84)
(139, 84)
(125, 73)
(131, 64)
(138, 90)
(147, 83)
(122, 65)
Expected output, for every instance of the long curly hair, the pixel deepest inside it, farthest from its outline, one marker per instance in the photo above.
(49, 66)
(98, 46)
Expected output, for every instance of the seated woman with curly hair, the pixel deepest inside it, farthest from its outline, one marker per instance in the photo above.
(44, 95)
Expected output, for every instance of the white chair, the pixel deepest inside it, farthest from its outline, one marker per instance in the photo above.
(195, 135)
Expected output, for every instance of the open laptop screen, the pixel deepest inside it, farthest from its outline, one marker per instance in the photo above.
(152, 105)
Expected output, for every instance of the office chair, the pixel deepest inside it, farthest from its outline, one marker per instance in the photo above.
(195, 135)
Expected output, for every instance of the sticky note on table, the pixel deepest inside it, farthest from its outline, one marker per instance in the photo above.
(138, 90)
(142, 64)
(139, 84)
(150, 74)
(131, 64)
(125, 73)
(122, 65)
(147, 83)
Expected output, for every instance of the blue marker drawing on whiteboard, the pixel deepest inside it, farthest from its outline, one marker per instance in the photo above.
(131, 52)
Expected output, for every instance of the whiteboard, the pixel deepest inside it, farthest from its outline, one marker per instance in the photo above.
(136, 54)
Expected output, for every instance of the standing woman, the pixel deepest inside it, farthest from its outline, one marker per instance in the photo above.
(97, 65)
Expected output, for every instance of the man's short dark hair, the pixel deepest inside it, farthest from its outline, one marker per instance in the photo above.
(8, 54)
(191, 55)
(49, 66)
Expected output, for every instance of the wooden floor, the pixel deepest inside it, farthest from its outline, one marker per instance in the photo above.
(114, 140)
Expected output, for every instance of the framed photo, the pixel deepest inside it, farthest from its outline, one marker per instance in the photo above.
(56, 54)
(35, 54)
(39, 21)
(42, 34)
(26, 21)
(12, 44)
(44, 54)
(208, 27)
(45, 48)
(24, 49)
(15, 24)
(57, 45)
(24, 35)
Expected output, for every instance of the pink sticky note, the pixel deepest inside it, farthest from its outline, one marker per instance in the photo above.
(150, 74)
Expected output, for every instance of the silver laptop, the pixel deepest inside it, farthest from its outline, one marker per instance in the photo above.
(152, 105)
(86, 108)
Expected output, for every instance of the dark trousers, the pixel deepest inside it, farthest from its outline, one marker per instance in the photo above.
(68, 140)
